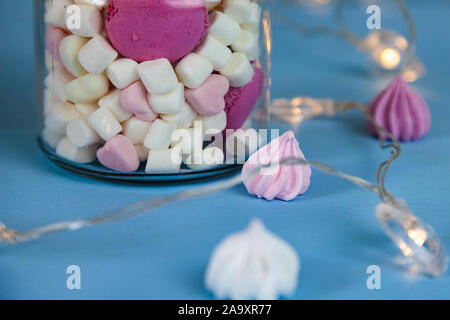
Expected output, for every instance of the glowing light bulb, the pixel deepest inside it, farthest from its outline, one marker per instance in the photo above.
(389, 58)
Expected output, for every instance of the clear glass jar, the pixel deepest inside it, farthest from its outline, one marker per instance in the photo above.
(148, 90)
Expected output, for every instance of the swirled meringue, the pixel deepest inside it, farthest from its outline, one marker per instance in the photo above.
(401, 111)
(284, 182)
(253, 264)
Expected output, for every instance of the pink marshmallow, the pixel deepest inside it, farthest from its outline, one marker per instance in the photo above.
(53, 38)
(208, 99)
(119, 154)
(134, 100)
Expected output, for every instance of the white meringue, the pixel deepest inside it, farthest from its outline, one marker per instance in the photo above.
(253, 264)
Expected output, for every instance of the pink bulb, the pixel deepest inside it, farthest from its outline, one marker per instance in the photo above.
(401, 111)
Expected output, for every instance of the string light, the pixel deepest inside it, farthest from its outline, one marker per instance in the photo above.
(388, 50)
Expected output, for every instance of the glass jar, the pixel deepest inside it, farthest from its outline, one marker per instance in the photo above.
(151, 90)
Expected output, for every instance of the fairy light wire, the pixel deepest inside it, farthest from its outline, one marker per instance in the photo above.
(146, 206)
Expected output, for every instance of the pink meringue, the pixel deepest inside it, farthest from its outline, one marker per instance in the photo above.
(401, 111)
(284, 182)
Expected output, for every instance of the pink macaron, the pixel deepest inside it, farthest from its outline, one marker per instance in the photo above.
(240, 102)
(145, 30)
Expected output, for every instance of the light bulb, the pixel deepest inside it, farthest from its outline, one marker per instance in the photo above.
(415, 239)
(386, 48)
(389, 58)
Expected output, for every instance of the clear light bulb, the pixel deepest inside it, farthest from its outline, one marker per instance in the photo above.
(415, 239)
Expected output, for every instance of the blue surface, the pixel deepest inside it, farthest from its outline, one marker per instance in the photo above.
(164, 255)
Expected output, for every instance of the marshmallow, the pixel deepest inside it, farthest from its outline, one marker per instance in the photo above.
(97, 55)
(247, 43)
(87, 89)
(204, 159)
(136, 130)
(51, 138)
(86, 108)
(60, 115)
(223, 28)
(104, 123)
(209, 98)
(99, 4)
(85, 21)
(253, 24)
(123, 72)
(238, 10)
(53, 63)
(183, 119)
(80, 133)
(243, 142)
(168, 103)
(68, 150)
(49, 102)
(163, 161)
(56, 81)
(217, 122)
(158, 76)
(142, 152)
(159, 135)
(68, 51)
(193, 69)
(188, 140)
(238, 71)
(55, 13)
(215, 52)
(119, 154)
(53, 38)
(134, 99)
(112, 102)
(211, 4)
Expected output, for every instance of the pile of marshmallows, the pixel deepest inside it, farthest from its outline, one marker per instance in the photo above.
(100, 105)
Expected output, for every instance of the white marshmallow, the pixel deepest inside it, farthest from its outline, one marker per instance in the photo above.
(243, 142)
(123, 72)
(136, 129)
(183, 119)
(238, 71)
(238, 10)
(204, 159)
(253, 24)
(168, 103)
(84, 20)
(247, 43)
(104, 123)
(188, 140)
(211, 4)
(193, 70)
(217, 122)
(223, 28)
(60, 115)
(68, 50)
(158, 76)
(97, 55)
(159, 135)
(80, 133)
(163, 161)
(86, 108)
(87, 89)
(55, 13)
(112, 102)
(142, 152)
(99, 4)
(56, 82)
(68, 150)
(49, 102)
(215, 52)
(51, 138)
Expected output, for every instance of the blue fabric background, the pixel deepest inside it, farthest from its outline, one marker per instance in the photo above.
(164, 255)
